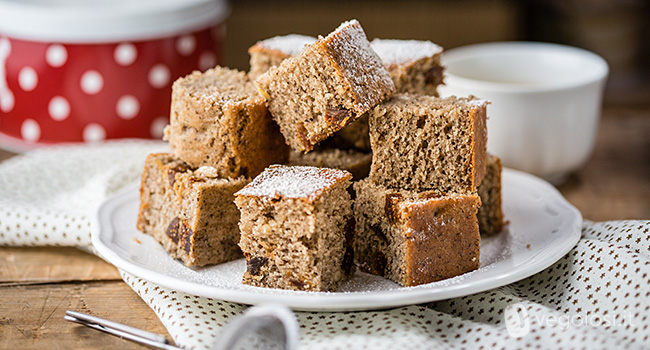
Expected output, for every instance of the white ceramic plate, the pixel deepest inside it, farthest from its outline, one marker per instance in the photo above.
(542, 228)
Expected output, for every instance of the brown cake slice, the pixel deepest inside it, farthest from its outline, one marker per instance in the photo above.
(218, 119)
(414, 238)
(190, 211)
(414, 65)
(357, 163)
(272, 51)
(490, 215)
(428, 143)
(297, 228)
(327, 86)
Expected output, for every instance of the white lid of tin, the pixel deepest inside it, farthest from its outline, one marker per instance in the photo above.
(93, 21)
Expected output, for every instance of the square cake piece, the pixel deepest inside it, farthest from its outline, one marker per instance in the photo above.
(218, 119)
(328, 85)
(428, 143)
(490, 214)
(297, 228)
(414, 238)
(414, 65)
(190, 211)
(357, 163)
(271, 52)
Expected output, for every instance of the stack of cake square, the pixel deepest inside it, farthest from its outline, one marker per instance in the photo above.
(413, 65)
(261, 166)
(416, 214)
(220, 135)
(296, 222)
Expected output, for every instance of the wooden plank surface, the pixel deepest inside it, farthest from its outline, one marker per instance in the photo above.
(37, 285)
(31, 316)
(615, 183)
(23, 266)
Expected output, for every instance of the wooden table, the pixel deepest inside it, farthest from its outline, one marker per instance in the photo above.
(37, 285)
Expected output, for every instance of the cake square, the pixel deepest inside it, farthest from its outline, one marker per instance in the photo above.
(328, 85)
(414, 65)
(297, 228)
(490, 214)
(218, 119)
(414, 238)
(357, 163)
(428, 143)
(190, 211)
(271, 52)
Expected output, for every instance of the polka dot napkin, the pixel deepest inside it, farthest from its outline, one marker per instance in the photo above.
(595, 297)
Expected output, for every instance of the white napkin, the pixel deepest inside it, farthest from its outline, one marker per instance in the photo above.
(596, 297)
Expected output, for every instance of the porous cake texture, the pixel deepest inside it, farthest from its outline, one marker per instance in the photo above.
(414, 238)
(357, 163)
(218, 119)
(327, 86)
(271, 52)
(490, 214)
(414, 65)
(355, 136)
(297, 228)
(190, 211)
(428, 143)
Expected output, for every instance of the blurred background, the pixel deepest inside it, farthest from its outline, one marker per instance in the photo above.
(618, 30)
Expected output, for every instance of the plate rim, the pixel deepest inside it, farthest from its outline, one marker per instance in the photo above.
(353, 301)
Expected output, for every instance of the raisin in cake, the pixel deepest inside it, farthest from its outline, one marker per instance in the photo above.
(414, 238)
(190, 211)
(297, 228)
(428, 143)
(271, 52)
(490, 215)
(328, 85)
(218, 119)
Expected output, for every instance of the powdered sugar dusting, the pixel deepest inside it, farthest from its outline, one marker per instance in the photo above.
(369, 78)
(280, 181)
(392, 51)
(478, 102)
(216, 86)
(291, 44)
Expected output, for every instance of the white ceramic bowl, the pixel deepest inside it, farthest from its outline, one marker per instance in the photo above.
(545, 101)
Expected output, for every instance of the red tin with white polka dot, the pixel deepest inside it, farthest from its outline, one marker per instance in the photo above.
(76, 71)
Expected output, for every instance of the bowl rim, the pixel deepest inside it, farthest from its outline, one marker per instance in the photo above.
(476, 50)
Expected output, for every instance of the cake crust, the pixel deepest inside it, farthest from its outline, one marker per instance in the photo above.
(414, 238)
